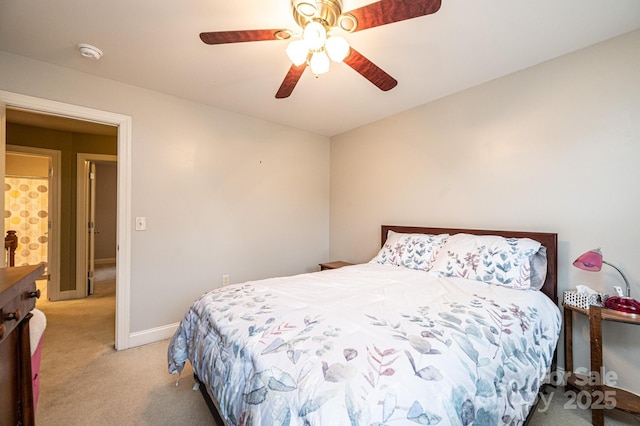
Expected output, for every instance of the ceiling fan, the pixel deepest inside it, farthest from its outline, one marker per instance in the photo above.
(318, 42)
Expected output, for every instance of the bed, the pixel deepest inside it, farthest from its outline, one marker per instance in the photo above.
(443, 326)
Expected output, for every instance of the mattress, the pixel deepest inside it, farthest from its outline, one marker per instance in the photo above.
(369, 344)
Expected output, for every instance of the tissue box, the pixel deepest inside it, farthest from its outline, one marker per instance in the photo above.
(583, 301)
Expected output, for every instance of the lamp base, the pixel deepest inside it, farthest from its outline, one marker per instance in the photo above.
(623, 304)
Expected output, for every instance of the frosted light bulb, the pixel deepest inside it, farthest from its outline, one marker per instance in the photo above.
(337, 48)
(314, 35)
(297, 52)
(319, 63)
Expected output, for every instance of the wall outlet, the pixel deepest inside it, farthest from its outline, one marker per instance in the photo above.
(225, 280)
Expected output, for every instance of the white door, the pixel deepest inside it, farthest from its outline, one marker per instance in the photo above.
(85, 230)
(91, 231)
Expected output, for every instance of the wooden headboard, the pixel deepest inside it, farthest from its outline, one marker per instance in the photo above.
(549, 240)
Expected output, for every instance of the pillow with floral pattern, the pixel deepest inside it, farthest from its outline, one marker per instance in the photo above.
(414, 251)
(488, 258)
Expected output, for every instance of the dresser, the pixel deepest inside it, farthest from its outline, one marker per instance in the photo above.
(18, 295)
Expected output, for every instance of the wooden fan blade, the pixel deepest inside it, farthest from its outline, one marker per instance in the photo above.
(223, 37)
(388, 11)
(290, 81)
(370, 71)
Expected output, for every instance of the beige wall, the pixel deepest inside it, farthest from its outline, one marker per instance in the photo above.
(551, 148)
(26, 165)
(222, 193)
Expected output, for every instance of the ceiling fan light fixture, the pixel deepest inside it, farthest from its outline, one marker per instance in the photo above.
(316, 22)
(315, 35)
(297, 52)
(337, 48)
(319, 63)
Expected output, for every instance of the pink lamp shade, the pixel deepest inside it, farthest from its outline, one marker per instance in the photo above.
(592, 261)
(589, 261)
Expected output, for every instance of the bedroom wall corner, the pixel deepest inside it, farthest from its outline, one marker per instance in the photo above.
(552, 148)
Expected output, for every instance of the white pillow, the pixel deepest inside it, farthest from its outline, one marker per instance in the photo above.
(415, 251)
(539, 268)
(488, 258)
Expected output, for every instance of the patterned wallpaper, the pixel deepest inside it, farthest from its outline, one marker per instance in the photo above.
(26, 212)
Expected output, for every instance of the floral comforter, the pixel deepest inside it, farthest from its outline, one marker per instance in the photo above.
(369, 345)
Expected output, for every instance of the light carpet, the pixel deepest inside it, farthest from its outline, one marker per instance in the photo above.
(85, 381)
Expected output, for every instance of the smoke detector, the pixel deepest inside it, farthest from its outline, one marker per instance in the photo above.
(89, 51)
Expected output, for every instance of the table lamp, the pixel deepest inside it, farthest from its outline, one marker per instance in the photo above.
(592, 261)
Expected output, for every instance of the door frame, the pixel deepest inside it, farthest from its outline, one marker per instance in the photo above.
(53, 250)
(82, 217)
(123, 254)
(3, 147)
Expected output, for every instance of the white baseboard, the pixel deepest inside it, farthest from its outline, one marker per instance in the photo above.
(104, 261)
(151, 335)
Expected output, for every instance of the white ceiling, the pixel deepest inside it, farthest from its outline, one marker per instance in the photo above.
(155, 45)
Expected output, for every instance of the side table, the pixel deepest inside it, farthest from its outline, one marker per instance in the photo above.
(333, 265)
(602, 396)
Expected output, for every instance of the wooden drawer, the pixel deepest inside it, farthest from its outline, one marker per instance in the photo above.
(15, 303)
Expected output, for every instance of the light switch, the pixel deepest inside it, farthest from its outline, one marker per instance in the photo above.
(141, 223)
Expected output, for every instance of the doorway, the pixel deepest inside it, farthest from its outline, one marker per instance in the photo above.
(32, 209)
(124, 220)
(96, 214)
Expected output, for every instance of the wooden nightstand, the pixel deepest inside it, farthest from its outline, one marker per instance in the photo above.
(333, 265)
(601, 396)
